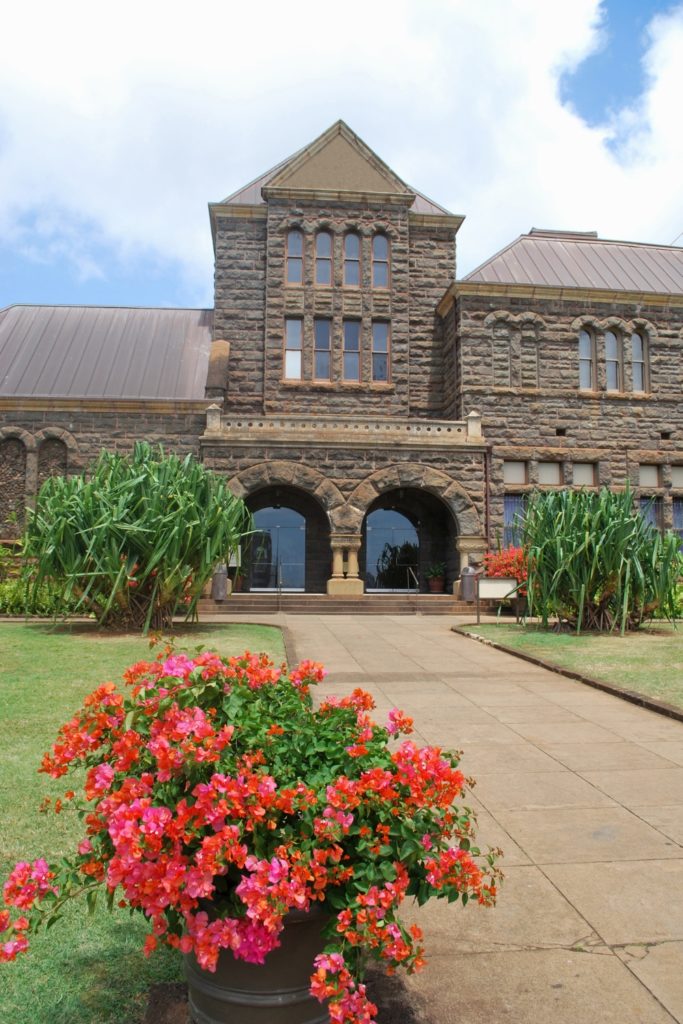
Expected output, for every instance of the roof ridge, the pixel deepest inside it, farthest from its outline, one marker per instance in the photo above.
(88, 305)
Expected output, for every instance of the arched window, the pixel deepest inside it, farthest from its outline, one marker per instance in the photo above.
(52, 459)
(295, 256)
(12, 486)
(352, 259)
(380, 261)
(586, 362)
(612, 362)
(323, 258)
(638, 367)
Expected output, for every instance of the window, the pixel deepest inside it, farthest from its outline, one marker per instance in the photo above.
(514, 472)
(322, 330)
(638, 362)
(380, 350)
(351, 353)
(678, 519)
(651, 509)
(586, 362)
(513, 519)
(677, 476)
(612, 362)
(323, 258)
(295, 257)
(549, 473)
(584, 474)
(648, 476)
(352, 259)
(380, 261)
(293, 346)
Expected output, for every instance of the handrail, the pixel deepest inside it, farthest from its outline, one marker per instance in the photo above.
(411, 572)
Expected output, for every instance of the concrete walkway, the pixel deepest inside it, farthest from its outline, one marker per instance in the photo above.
(583, 792)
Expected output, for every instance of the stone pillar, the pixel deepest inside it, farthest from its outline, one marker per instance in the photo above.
(472, 550)
(345, 546)
(213, 419)
(474, 426)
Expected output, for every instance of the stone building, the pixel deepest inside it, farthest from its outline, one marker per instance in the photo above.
(378, 415)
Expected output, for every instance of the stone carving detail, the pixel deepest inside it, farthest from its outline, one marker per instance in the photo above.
(12, 486)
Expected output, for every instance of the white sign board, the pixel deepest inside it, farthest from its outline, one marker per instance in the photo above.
(496, 588)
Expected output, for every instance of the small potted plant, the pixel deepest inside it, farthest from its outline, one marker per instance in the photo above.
(435, 574)
(226, 808)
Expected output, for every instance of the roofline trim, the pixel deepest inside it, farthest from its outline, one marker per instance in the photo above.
(532, 291)
(327, 195)
(33, 403)
(453, 221)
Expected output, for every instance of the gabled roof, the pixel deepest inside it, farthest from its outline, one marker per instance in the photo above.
(337, 159)
(102, 352)
(579, 259)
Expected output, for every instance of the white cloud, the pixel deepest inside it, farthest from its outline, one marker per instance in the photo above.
(119, 123)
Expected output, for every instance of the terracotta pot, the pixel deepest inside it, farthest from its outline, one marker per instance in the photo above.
(437, 584)
(276, 992)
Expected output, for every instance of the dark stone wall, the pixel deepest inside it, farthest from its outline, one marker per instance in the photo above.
(12, 487)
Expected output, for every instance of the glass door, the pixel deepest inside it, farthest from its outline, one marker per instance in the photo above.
(278, 550)
(392, 548)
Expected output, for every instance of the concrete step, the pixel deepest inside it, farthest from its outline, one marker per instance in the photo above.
(324, 604)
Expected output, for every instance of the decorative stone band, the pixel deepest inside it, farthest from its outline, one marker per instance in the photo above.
(324, 430)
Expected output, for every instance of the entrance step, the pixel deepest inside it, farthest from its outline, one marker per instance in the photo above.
(324, 604)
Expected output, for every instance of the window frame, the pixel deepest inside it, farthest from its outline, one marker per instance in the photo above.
(377, 354)
(642, 363)
(377, 262)
(513, 531)
(293, 259)
(591, 360)
(615, 360)
(286, 347)
(346, 351)
(318, 349)
(327, 261)
(352, 261)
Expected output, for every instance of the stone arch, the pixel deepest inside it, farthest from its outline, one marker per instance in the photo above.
(587, 322)
(27, 439)
(289, 474)
(639, 323)
(14, 457)
(409, 474)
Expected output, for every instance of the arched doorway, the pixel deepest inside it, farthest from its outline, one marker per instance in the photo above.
(290, 548)
(405, 532)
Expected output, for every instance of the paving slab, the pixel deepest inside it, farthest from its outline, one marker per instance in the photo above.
(583, 792)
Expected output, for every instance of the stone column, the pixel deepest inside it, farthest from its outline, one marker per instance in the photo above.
(345, 546)
(472, 550)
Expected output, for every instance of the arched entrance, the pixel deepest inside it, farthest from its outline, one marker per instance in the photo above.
(405, 532)
(290, 548)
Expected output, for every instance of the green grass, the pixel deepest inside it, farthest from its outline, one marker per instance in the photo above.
(649, 661)
(87, 970)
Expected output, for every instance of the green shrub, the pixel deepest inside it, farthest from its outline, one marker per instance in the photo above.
(136, 538)
(19, 597)
(596, 562)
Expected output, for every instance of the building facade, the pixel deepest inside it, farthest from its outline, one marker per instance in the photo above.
(379, 416)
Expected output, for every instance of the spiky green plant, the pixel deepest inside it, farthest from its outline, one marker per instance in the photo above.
(596, 562)
(136, 538)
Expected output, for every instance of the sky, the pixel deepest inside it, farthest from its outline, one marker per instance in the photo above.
(119, 123)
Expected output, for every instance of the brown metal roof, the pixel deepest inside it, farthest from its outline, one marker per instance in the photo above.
(104, 352)
(575, 259)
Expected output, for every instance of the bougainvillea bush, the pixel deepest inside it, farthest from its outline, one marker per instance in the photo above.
(508, 563)
(217, 798)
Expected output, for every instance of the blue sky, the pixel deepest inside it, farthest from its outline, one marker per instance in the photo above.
(116, 130)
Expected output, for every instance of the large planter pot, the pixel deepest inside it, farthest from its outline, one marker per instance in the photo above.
(436, 584)
(276, 992)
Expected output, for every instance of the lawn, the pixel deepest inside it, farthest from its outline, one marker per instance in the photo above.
(649, 661)
(87, 969)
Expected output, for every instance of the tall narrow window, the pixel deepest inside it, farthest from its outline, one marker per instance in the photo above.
(352, 259)
(293, 347)
(295, 257)
(677, 511)
(321, 354)
(638, 362)
(513, 519)
(586, 362)
(380, 261)
(612, 362)
(380, 350)
(323, 258)
(652, 511)
(351, 353)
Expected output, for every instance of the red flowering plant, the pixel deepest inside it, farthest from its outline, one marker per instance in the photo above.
(217, 797)
(508, 563)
